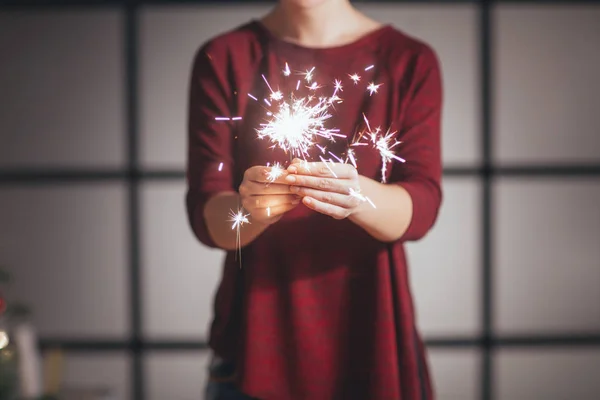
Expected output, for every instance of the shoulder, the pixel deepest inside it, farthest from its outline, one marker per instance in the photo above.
(240, 44)
(405, 52)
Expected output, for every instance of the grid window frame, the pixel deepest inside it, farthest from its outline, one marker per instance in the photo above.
(487, 343)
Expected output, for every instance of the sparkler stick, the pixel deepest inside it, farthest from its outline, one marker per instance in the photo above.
(238, 218)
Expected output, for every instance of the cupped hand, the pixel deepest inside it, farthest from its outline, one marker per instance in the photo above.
(329, 188)
(264, 198)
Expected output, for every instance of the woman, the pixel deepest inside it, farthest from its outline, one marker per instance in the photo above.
(319, 305)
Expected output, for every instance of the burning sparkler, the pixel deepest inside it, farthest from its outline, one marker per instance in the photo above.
(238, 218)
(274, 172)
(294, 123)
(382, 143)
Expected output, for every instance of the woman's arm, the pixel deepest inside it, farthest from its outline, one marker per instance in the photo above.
(390, 220)
(406, 207)
(332, 195)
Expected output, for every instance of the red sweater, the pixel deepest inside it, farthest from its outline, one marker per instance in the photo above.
(320, 310)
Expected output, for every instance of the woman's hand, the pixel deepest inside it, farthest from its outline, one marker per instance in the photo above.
(265, 199)
(329, 188)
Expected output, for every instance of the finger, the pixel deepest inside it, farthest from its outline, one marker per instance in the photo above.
(325, 208)
(263, 174)
(326, 184)
(274, 200)
(337, 199)
(250, 188)
(323, 169)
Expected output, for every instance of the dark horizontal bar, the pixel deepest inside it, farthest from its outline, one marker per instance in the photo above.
(85, 345)
(66, 176)
(548, 340)
(582, 340)
(95, 3)
(104, 3)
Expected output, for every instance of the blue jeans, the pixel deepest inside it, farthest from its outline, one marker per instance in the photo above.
(220, 384)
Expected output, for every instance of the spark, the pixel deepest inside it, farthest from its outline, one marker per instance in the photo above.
(355, 78)
(268, 211)
(372, 88)
(327, 165)
(220, 167)
(238, 218)
(276, 96)
(267, 82)
(361, 197)
(309, 74)
(382, 143)
(236, 118)
(252, 97)
(287, 71)
(275, 172)
(336, 157)
(295, 123)
(338, 87)
(351, 157)
(222, 119)
(369, 67)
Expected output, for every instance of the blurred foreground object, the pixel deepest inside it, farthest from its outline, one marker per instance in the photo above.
(19, 358)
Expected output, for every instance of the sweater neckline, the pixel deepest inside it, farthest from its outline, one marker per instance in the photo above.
(367, 40)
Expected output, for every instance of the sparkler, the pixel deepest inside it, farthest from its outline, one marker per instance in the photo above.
(382, 143)
(294, 123)
(275, 172)
(238, 218)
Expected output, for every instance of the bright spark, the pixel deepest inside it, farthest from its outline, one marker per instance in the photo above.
(238, 218)
(361, 197)
(327, 165)
(295, 123)
(336, 157)
(287, 71)
(274, 172)
(372, 88)
(276, 96)
(369, 67)
(338, 86)
(382, 143)
(252, 97)
(355, 78)
(220, 167)
(309, 74)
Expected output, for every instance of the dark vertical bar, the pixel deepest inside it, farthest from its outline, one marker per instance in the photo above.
(131, 40)
(486, 217)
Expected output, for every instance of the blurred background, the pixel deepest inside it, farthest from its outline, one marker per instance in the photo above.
(94, 234)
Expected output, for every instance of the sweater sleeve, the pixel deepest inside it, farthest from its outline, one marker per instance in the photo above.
(420, 140)
(209, 157)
